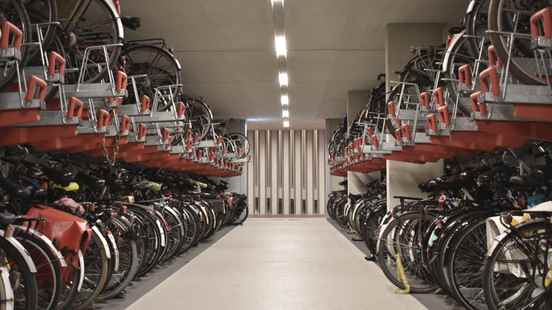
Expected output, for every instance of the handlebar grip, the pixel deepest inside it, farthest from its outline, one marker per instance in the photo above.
(181, 109)
(476, 105)
(166, 135)
(142, 131)
(34, 83)
(392, 109)
(56, 61)
(75, 108)
(125, 125)
(9, 29)
(103, 119)
(464, 75)
(493, 57)
(432, 122)
(439, 95)
(488, 80)
(121, 82)
(544, 18)
(145, 104)
(425, 99)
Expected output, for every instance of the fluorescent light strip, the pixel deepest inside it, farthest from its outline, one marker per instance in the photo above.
(283, 79)
(284, 100)
(285, 113)
(286, 123)
(280, 44)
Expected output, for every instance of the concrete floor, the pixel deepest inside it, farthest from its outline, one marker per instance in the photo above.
(284, 264)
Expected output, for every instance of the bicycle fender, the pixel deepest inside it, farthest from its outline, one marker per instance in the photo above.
(96, 230)
(21, 249)
(48, 242)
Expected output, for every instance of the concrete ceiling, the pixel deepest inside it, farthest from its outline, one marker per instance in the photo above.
(226, 49)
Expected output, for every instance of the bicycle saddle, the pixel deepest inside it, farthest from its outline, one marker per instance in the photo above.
(10, 219)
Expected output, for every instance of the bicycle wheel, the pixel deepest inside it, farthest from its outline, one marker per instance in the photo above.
(6, 292)
(175, 232)
(465, 265)
(240, 213)
(96, 271)
(21, 274)
(513, 277)
(370, 225)
(150, 235)
(200, 117)
(72, 277)
(158, 63)
(191, 230)
(475, 23)
(404, 234)
(87, 23)
(48, 266)
(128, 260)
(241, 143)
(514, 16)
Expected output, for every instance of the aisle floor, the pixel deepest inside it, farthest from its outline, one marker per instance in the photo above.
(280, 264)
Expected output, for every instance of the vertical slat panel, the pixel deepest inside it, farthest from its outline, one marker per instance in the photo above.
(322, 171)
(298, 173)
(309, 162)
(280, 172)
(292, 172)
(251, 175)
(257, 172)
(268, 171)
(315, 173)
(286, 170)
(274, 174)
(303, 171)
(262, 172)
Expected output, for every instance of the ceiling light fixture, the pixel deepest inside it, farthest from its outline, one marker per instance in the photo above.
(285, 113)
(284, 100)
(286, 124)
(283, 79)
(273, 2)
(280, 45)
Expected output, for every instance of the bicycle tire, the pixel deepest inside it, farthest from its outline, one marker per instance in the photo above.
(83, 301)
(18, 260)
(47, 259)
(489, 286)
(495, 24)
(128, 252)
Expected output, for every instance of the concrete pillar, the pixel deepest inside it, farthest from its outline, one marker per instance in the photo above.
(403, 178)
